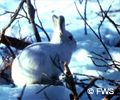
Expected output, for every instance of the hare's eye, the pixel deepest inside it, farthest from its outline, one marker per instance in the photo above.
(71, 37)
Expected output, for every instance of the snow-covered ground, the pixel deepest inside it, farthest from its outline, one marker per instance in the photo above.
(81, 62)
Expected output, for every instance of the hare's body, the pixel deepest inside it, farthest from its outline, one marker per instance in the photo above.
(41, 62)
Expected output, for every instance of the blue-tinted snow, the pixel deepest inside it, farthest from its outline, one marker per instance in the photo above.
(80, 62)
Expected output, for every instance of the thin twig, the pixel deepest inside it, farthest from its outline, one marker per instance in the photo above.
(43, 89)
(22, 93)
(88, 86)
(103, 44)
(14, 16)
(42, 28)
(106, 16)
(85, 16)
(103, 18)
(9, 24)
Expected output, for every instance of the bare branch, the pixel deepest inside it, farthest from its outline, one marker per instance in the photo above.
(88, 86)
(103, 44)
(110, 96)
(42, 28)
(31, 12)
(70, 81)
(43, 89)
(11, 21)
(22, 93)
(14, 16)
(18, 44)
(85, 16)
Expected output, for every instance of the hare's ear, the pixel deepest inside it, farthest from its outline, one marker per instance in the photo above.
(55, 21)
(62, 24)
(59, 24)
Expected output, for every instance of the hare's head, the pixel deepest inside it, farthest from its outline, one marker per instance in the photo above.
(61, 35)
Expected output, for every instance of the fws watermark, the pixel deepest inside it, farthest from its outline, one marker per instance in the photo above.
(103, 91)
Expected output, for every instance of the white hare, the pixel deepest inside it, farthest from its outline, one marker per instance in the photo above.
(40, 61)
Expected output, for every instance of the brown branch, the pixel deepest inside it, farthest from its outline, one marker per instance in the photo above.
(31, 12)
(70, 82)
(14, 16)
(116, 82)
(5, 67)
(18, 44)
(9, 24)
(6, 77)
(41, 26)
(110, 96)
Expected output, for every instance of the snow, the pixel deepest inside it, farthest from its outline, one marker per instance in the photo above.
(35, 92)
(81, 62)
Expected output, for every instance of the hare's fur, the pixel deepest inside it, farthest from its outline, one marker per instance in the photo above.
(40, 62)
